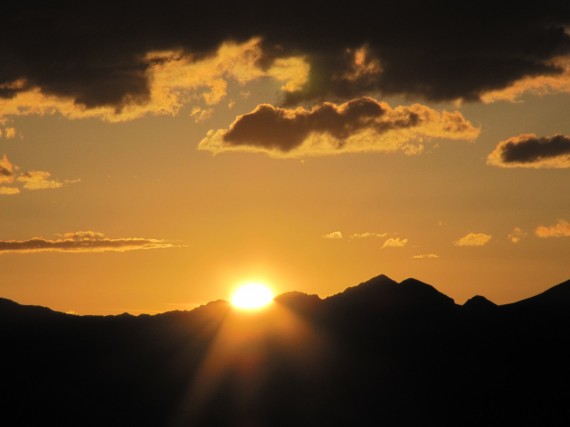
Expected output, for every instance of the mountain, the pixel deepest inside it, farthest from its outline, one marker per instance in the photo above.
(479, 305)
(10, 309)
(383, 296)
(553, 300)
(379, 353)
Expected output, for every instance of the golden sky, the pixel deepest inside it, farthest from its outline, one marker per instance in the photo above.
(158, 172)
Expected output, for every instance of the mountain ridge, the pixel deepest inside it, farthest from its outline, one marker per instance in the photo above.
(376, 287)
(379, 353)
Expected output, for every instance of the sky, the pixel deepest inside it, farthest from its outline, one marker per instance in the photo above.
(154, 157)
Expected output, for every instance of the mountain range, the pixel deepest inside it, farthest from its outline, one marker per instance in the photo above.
(379, 353)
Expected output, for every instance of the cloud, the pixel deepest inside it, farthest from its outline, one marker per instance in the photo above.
(360, 125)
(333, 235)
(367, 235)
(200, 114)
(38, 180)
(7, 170)
(531, 151)
(7, 191)
(173, 79)
(293, 72)
(83, 235)
(473, 239)
(517, 235)
(30, 180)
(82, 241)
(560, 229)
(94, 59)
(395, 242)
(9, 133)
(425, 256)
(537, 85)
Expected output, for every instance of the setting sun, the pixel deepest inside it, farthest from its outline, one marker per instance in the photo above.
(252, 296)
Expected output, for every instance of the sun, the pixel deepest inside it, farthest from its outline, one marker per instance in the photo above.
(252, 296)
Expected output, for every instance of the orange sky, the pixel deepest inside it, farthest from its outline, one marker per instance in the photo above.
(212, 181)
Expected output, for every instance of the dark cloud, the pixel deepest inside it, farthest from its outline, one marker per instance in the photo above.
(95, 55)
(531, 151)
(285, 130)
(360, 125)
(82, 241)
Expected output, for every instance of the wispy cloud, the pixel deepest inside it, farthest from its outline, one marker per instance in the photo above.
(360, 125)
(531, 151)
(200, 114)
(560, 229)
(395, 242)
(425, 256)
(367, 235)
(473, 239)
(333, 235)
(355, 236)
(82, 241)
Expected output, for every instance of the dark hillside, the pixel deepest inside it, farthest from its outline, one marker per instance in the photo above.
(380, 353)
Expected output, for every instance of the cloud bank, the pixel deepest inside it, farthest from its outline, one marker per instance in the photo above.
(82, 241)
(108, 55)
(360, 125)
(173, 79)
(531, 151)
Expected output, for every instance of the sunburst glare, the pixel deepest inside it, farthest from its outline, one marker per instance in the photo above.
(252, 296)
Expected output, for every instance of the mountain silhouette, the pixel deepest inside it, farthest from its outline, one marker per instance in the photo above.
(10, 309)
(555, 300)
(383, 296)
(479, 305)
(379, 353)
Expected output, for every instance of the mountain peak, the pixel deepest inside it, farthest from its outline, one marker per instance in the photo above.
(479, 304)
(382, 278)
(384, 295)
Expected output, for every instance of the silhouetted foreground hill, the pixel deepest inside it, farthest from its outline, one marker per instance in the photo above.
(380, 353)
